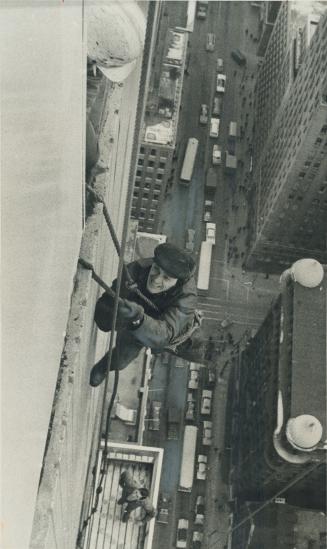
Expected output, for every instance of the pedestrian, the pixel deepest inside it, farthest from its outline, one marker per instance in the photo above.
(148, 511)
(132, 489)
(167, 279)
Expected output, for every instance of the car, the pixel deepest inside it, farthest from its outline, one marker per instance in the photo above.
(204, 114)
(221, 83)
(214, 127)
(197, 539)
(239, 57)
(190, 233)
(208, 205)
(217, 105)
(220, 64)
(155, 407)
(190, 410)
(207, 433)
(211, 377)
(216, 155)
(182, 528)
(199, 510)
(211, 41)
(201, 473)
(194, 365)
(163, 509)
(211, 232)
(193, 382)
(206, 402)
(201, 13)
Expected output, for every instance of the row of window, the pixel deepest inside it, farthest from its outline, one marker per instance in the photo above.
(151, 163)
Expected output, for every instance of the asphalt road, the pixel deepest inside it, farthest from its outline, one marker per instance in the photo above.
(242, 298)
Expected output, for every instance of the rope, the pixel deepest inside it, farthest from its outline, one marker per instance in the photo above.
(120, 251)
(132, 286)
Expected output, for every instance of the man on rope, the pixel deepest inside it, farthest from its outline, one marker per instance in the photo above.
(167, 279)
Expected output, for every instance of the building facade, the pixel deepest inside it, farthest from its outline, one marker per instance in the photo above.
(281, 397)
(158, 136)
(290, 161)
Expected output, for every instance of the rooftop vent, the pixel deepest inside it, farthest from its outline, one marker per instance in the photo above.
(307, 272)
(304, 432)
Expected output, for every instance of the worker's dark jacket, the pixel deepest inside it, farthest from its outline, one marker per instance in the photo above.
(158, 329)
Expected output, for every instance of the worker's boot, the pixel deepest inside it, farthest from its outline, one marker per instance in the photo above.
(99, 371)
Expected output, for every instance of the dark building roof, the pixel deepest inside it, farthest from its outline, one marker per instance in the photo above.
(279, 526)
(308, 388)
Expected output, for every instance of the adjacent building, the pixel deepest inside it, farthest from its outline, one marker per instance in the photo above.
(158, 134)
(290, 143)
(278, 526)
(281, 397)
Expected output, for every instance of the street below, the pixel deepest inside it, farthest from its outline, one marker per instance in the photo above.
(237, 300)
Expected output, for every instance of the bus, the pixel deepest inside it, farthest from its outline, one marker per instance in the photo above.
(204, 267)
(188, 459)
(189, 160)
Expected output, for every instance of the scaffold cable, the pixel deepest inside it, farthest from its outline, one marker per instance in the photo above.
(121, 268)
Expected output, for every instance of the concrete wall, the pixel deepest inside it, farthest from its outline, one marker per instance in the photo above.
(42, 155)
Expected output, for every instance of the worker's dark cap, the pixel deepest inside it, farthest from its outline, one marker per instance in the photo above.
(175, 262)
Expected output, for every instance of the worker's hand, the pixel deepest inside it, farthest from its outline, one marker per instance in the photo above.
(128, 310)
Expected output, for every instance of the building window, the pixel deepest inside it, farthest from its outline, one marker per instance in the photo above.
(142, 150)
(301, 175)
(159, 176)
(151, 163)
(162, 165)
(136, 192)
(153, 152)
(140, 161)
(145, 194)
(142, 215)
(138, 173)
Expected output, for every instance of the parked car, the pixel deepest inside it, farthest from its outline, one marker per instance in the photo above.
(239, 57)
(197, 539)
(206, 402)
(208, 205)
(163, 509)
(155, 407)
(182, 528)
(217, 105)
(220, 64)
(193, 382)
(211, 41)
(211, 232)
(190, 408)
(174, 419)
(201, 12)
(201, 473)
(211, 377)
(204, 114)
(216, 155)
(207, 433)
(199, 510)
(194, 365)
(221, 83)
(214, 127)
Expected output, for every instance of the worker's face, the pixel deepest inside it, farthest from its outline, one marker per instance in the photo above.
(158, 280)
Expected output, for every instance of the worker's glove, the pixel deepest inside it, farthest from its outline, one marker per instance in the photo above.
(130, 311)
